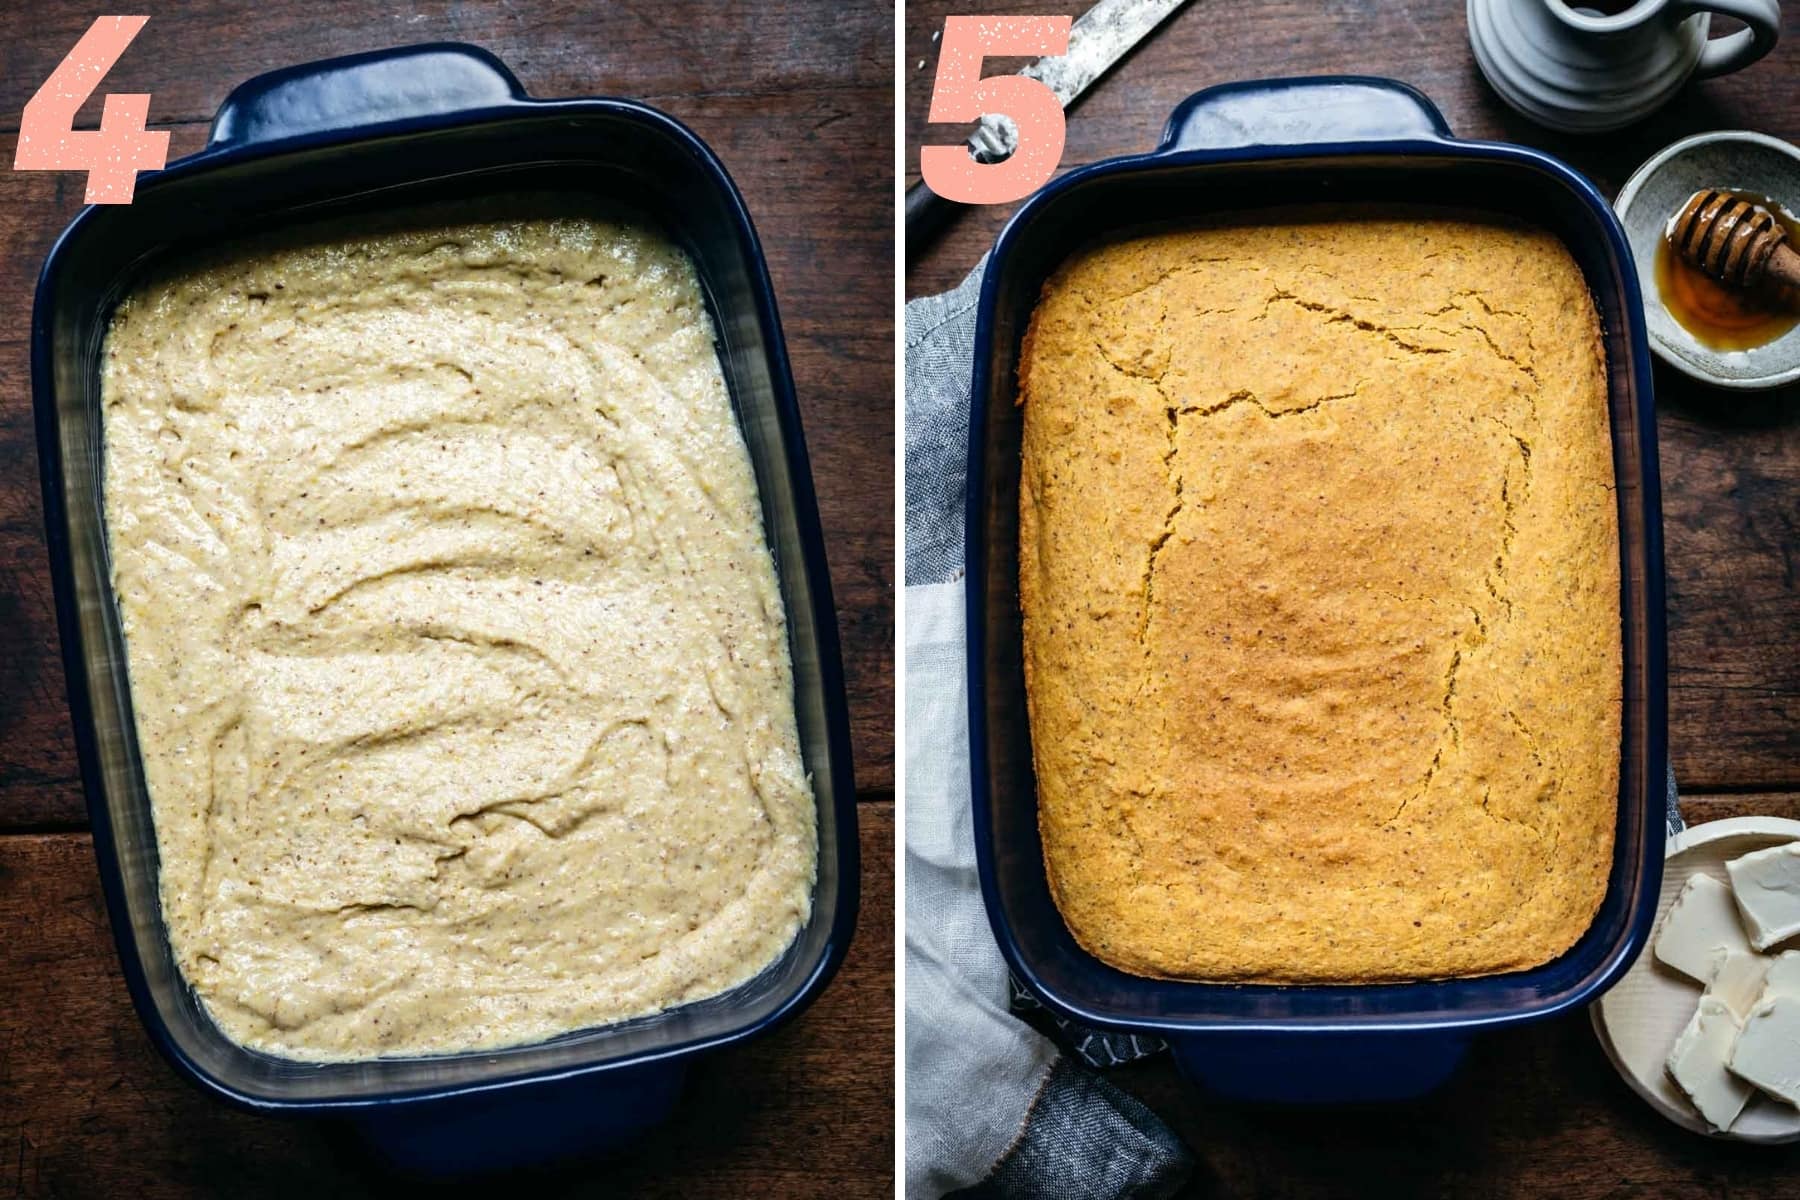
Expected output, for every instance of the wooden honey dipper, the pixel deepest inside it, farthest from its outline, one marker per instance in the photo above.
(1738, 243)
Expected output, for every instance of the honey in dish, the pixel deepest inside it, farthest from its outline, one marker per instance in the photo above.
(1727, 318)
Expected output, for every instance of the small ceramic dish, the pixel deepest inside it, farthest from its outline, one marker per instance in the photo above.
(1640, 1018)
(1734, 159)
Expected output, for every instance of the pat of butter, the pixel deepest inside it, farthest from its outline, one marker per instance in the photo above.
(1701, 929)
(1738, 982)
(1783, 977)
(1767, 887)
(1697, 1063)
(1767, 1053)
(1780, 977)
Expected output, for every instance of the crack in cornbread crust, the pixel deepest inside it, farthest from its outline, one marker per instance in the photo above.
(1319, 571)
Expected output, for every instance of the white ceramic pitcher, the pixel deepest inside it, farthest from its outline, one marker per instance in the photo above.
(1586, 66)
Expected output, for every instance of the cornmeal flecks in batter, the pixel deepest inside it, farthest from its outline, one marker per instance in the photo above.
(459, 666)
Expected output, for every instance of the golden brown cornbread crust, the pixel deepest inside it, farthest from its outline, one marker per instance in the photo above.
(1319, 569)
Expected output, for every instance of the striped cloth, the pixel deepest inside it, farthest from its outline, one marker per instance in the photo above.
(994, 1109)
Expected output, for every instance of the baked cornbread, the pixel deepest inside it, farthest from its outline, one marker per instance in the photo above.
(456, 650)
(1319, 571)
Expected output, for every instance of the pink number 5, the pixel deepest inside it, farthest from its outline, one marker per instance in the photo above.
(111, 155)
(961, 94)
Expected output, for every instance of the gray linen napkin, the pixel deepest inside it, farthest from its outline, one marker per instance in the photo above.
(992, 1109)
(1676, 824)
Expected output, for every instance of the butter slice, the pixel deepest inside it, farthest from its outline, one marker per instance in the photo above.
(1767, 887)
(1739, 981)
(1701, 930)
(1767, 1053)
(1783, 976)
(1697, 1063)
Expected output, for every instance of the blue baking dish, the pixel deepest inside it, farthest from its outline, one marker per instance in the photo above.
(380, 131)
(1238, 148)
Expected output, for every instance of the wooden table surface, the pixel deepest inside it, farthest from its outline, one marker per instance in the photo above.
(797, 99)
(1539, 1111)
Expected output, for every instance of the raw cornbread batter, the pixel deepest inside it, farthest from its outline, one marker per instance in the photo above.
(459, 667)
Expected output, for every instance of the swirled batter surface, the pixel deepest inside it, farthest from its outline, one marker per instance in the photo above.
(459, 666)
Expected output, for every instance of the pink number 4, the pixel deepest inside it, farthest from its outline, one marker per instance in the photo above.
(961, 94)
(113, 154)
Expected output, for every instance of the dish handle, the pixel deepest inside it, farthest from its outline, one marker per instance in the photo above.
(1322, 110)
(1735, 51)
(542, 1122)
(1320, 1068)
(360, 90)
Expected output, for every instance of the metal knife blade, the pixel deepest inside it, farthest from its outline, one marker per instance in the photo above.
(1100, 37)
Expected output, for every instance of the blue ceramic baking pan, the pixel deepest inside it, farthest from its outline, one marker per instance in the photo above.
(1239, 148)
(380, 131)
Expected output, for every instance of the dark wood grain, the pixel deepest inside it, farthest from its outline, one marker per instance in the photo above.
(191, 53)
(1535, 1112)
(1696, 809)
(1538, 1112)
(804, 124)
(1731, 465)
(88, 1108)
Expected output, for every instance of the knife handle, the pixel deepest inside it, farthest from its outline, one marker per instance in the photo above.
(927, 213)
